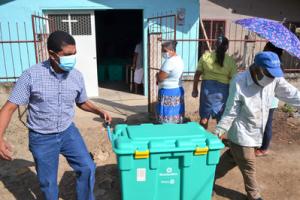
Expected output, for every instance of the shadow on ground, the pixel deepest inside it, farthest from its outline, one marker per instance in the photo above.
(120, 106)
(17, 177)
(106, 185)
(21, 181)
(135, 119)
(229, 193)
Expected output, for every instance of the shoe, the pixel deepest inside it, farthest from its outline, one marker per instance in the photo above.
(260, 153)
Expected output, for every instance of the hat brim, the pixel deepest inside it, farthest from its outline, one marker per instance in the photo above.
(275, 72)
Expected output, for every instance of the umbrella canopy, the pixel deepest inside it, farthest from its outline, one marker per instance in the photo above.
(273, 31)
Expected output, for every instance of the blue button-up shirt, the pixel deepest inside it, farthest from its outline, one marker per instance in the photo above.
(50, 97)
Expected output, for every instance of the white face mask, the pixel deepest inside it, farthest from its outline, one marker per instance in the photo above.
(265, 81)
(166, 55)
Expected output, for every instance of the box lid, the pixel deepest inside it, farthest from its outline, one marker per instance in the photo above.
(163, 138)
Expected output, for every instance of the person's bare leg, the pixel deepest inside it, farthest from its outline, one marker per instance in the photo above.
(142, 88)
(136, 88)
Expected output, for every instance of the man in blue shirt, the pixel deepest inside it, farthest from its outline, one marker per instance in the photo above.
(51, 89)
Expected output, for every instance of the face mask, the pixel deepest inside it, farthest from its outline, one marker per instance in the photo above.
(67, 63)
(265, 81)
(166, 55)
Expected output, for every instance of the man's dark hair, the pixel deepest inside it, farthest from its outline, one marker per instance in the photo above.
(58, 39)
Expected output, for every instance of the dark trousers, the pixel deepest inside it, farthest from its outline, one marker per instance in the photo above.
(268, 131)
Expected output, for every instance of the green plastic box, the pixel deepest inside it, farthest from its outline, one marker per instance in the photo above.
(166, 161)
(102, 72)
(115, 72)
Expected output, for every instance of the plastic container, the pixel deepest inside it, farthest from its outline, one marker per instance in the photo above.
(102, 72)
(167, 161)
(116, 72)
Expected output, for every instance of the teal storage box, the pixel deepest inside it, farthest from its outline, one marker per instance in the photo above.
(166, 161)
(102, 72)
(115, 72)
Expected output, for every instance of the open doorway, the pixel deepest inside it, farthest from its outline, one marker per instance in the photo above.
(117, 34)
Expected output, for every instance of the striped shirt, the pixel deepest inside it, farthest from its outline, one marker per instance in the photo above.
(50, 97)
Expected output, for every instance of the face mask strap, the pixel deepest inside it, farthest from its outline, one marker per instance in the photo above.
(259, 75)
(267, 74)
(55, 60)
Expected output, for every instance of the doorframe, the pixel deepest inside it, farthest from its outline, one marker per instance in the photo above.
(144, 30)
(144, 33)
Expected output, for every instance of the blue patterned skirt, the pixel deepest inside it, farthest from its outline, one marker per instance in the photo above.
(170, 106)
(213, 98)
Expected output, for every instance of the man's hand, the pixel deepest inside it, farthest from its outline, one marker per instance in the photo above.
(5, 116)
(104, 115)
(220, 133)
(90, 107)
(5, 150)
(222, 137)
(195, 93)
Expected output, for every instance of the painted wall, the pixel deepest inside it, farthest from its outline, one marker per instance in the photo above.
(19, 11)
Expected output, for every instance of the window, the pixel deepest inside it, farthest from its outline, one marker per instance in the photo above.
(75, 24)
(58, 22)
(213, 29)
(81, 24)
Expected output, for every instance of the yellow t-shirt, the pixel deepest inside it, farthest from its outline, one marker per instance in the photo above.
(211, 70)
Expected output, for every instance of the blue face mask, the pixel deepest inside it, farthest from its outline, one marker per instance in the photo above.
(67, 63)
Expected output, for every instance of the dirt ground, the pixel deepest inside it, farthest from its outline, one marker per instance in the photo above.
(278, 173)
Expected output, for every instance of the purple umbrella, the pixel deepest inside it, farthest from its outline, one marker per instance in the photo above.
(274, 32)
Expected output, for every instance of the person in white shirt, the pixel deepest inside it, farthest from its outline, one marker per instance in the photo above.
(263, 150)
(246, 113)
(170, 106)
(137, 65)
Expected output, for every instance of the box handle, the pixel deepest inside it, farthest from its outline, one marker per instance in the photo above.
(201, 151)
(141, 154)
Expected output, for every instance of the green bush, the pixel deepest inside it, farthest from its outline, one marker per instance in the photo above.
(288, 109)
